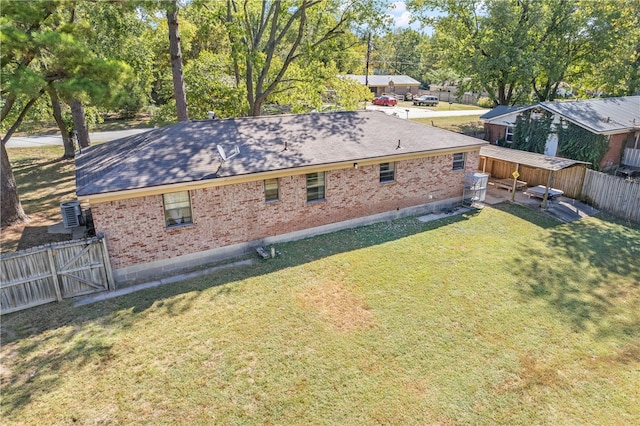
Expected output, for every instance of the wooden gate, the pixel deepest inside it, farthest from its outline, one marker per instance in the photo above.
(53, 273)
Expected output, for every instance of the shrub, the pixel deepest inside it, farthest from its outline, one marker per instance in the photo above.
(485, 102)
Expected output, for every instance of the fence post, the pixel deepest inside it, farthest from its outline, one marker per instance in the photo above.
(107, 264)
(54, 274)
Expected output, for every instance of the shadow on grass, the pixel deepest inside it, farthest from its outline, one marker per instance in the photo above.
(36, 320)
(597, 285)
(86, 330)
(86, 333)
(531, 215)
(293, 254)
(48, 182)
(74, 351)
(33, 236)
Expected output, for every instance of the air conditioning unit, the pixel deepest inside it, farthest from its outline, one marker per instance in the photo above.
(71, 213)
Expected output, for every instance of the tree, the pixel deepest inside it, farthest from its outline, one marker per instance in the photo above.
(11, 208)
(515, 49)
(267, 38)
(399, 52)
(176, 62)
(67, 142)
(613, 66)
(43, 51)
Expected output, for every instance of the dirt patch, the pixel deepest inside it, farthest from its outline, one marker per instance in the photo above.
(29, 234)
(338, 306)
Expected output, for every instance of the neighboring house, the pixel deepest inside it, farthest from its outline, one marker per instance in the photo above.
(388, 84)
(165, 200)
(618, 119)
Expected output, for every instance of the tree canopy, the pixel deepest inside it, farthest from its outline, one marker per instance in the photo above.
(519, 51)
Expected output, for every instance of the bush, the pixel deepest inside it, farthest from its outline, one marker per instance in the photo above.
(485, 102)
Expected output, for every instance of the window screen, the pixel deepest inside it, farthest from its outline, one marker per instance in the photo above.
(271, 190)
(387, 172)
(177, 208)
(315, 186)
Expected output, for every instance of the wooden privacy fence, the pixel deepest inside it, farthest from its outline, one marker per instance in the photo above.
(53, 273)
(612, 194)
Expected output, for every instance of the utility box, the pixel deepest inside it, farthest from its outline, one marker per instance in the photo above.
(71, 213)
(475, 188)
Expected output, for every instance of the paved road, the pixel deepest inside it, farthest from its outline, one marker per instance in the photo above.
(424, 112)
(402, 112)
(48, 140)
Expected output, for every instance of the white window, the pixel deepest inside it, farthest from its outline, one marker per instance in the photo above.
(315, 186)
(177, 208)
(387, 172)
(271, 190)
(458, 161)
(508, 136)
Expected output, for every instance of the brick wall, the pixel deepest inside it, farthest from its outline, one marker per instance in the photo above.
(614, 154)
(237, 213)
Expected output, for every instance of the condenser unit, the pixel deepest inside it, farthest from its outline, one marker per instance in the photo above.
(71, 213)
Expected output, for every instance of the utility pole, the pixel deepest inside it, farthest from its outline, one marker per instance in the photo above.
(366, 70)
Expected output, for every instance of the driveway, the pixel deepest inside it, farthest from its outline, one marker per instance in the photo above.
(402, 112)
(49, 140)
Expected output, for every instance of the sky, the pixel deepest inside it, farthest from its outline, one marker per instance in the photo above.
(402, 17)
(400, 14)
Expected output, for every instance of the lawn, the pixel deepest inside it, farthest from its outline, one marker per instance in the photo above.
(499, 316)
(467, 124)
(442, 106)
(44, 181)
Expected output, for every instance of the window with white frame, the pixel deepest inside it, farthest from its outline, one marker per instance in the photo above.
(508, 135)
(458, 161)
(177, 208)
(271, 190)
(387, 172)
(315, 186)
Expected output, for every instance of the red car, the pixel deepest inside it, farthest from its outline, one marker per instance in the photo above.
(385, 101)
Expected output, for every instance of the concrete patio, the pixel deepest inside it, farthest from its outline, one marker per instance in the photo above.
(563, 209)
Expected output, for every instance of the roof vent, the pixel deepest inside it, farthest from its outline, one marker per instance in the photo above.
(212, 115)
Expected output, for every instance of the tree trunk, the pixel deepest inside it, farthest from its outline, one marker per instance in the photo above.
(69, 150)
(176, 63)
(18, 121)
(80, 123)
(11, 209)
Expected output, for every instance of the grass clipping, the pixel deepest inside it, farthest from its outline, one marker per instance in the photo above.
(338, 307)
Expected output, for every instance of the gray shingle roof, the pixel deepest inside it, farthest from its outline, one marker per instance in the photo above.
(186, 152)
(500, 110)
(608, 115)
(602, 116)
(383, 80)
(526, 158)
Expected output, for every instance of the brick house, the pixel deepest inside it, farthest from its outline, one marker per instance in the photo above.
(165, 199)
(616, 118)
(398, 85)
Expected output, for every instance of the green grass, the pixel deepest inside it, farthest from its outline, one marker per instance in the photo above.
(501, 316)
(468, 124)
(44, 180)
